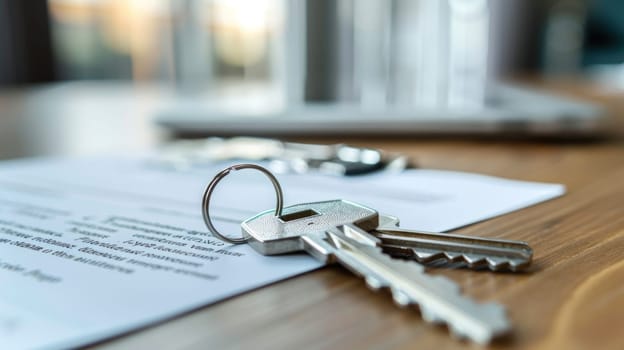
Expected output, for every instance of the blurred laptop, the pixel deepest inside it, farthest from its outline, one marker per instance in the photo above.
(365, 67)
(511, 111)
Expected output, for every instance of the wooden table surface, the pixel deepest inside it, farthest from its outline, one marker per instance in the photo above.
(571, 298)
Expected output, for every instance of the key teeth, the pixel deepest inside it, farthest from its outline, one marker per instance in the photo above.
(430, 316)
(496, 261)
(494, 264)
(374, 283)
(457, 333)
(473, 261)
(424, 256)
(400, 298)
(460, 334)
(495, 310)
(454, 256)
(516, 265)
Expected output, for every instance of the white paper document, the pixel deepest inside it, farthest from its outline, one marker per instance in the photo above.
(92, 248)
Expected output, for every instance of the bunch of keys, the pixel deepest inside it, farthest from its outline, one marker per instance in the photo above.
(371, 245)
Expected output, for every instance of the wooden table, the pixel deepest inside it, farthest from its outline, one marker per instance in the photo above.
(571, 298)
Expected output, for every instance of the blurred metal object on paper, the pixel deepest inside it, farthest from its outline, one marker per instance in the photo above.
(283, 157)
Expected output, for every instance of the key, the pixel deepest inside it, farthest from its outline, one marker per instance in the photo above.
(475, 252)
(336, 232)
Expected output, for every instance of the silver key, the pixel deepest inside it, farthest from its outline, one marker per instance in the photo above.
(336, 231)
(475, 252)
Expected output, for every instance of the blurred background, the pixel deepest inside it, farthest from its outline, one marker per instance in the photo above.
(117, 57)
(355, 49)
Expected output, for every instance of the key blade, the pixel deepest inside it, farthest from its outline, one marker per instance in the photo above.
(439, 298)
(475, 252)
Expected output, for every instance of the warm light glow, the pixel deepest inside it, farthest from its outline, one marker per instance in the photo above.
(130, 27)
(242, 29)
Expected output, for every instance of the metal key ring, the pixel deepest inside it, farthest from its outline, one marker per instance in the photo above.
(211, 186)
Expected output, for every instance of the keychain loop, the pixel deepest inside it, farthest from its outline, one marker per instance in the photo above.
(222, 174)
